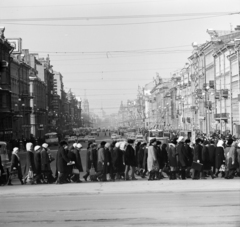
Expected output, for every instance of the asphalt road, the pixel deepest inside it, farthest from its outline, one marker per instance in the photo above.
(136, 203)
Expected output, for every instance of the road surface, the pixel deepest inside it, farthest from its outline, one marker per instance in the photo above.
(124, 203)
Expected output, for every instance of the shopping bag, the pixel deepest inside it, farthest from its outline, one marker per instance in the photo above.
(75, 170)
(197, 166)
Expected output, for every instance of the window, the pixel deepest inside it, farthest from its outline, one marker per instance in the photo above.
(234, 68)
(217, 66)
(209, 59)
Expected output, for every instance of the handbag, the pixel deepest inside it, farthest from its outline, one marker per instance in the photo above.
(75, 170)
(92, 171)
(197, 166)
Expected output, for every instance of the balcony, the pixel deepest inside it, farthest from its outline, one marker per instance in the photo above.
(223, 116)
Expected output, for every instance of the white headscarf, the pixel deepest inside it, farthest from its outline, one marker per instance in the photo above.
(180, 138)
(36, 148)
(45, 145)
(15, 151)
(74, 145)
(220, 143)
(78, 145)
(107, 145)
(117, 145)
(123, 145)
(28, 146)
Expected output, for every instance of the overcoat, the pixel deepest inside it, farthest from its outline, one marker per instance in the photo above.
(160, 157)
(212, 154)
(219, 157)
(232, 157)
(30, 164)
(181, 151)
(129, 156)
(45, 162)
(205, 158)
(197, 153)
(15, 163)
(89, 161)
(101, 160)
(37, 160)
(77, 159)
(189, 154)
(145, 158)
(62, 160)
(171, 149)
(140, 157)
(152, 162)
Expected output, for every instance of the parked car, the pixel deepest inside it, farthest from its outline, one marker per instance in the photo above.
(91, 139)
(72, 139)
(114, 136)
(139, 138)
(81, 139)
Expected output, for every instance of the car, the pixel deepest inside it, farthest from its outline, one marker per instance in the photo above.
(139, 138)
(66, 137)
(91, 139)
(72, 139)
(81, 138)
(114, 136)
(94, 133)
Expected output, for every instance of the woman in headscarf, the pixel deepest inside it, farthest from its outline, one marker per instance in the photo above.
(220, 159)
(171, 149)
(30, 165)
(137, 149)
(15, 166)
(152, 162)
(101, 174)
(115, 160)
(107, 161)
(111, 156)
(45, 164)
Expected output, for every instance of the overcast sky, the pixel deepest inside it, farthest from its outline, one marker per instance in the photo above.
(109, 47)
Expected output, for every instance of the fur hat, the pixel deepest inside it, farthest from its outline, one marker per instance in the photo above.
(130, 141)
(187, 141)
(103, 143)
(36, 148)
(63, 142)
(45, 145)
(159, 142)
(230, 141)
(153, 141)
(198, 140)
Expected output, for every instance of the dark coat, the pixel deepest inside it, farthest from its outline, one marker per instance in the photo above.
(45, 162)
(205, 158)
(160, 157)
(30, 164)
(37, 160)
(189, 154)
(129, 156)
(220, 159)
(62, 160)
(145, 157)
(89, 160)
(117, 160)
(197, 153)
(182, 153)
(171, 149)
(140, 157)
(76, 157)
(212, 154)
(16, 164)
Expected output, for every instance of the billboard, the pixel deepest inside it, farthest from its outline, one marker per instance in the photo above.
(17, 44)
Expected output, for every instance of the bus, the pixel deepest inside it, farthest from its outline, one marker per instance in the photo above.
(159, 134)
(51, 138)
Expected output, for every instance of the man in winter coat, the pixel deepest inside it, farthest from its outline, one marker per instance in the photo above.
(130, 160)
(197, 157)
(45, 163)
(190, 156)
(183, 158)
(62, 162)
(212, 155)
(171, 149)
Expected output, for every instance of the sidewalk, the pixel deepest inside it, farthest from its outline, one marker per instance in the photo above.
(121, 187)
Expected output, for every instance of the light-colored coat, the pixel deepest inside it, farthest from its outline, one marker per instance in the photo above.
(152, 159)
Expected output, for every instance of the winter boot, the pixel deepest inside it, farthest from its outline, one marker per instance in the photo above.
(170, 175)
(183, 174)
(151, 176)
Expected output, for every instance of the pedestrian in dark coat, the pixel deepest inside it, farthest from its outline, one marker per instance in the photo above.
(130, 160)
(89, 161)
(15, 167)
(171, 149)
(220, 159)
(62, 162)
(197, 157)
(45, 164)
(190, 156)
(111, 168)
(183, 158)
(137, 148)
(107, 160)
(141, 158)
(1, 172)
(77, 167)
(206, 159)
(101, 173)
(212, 154)
(37, 161)
(115, 158)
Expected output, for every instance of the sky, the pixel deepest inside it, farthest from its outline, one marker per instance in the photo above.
(105, 49)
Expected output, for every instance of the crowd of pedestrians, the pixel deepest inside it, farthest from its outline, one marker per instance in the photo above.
(177, 159)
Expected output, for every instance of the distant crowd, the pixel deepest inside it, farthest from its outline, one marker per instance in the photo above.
(127, 160)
